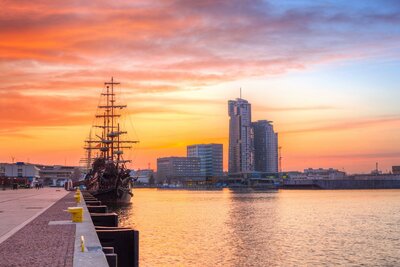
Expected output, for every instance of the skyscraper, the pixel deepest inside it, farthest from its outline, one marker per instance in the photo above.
(210, 158)
(240, 140)
(265, 147)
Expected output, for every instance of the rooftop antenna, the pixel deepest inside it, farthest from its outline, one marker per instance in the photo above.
(240, 92)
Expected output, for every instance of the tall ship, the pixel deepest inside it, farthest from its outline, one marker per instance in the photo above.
(108, 177)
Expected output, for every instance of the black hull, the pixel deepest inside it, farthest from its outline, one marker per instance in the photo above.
(110, 196)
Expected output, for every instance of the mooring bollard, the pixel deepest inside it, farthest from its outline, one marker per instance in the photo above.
(77, 213)
(77, 196)
(82, 244)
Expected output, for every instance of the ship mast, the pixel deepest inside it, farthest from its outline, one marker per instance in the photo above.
(110, 142)
(87, 161)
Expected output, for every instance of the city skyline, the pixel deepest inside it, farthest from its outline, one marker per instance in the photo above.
(327, 74)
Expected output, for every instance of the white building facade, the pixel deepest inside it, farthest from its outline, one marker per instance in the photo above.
(48, 175)
(19, 170)
(143, 176)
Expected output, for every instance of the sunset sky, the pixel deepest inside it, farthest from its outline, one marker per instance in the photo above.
(326, 72)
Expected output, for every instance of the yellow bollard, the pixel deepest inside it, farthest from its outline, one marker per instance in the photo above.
(77, 213)
(77, 198)
(82, 244)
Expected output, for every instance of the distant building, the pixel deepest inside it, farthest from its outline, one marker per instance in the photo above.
(210, 158)
(396, 169)
(19, 170)
(55, 175)
(48, 175)
(179, 169)
(265, 147)
(143, 176)
(240, 137)
(323, 174)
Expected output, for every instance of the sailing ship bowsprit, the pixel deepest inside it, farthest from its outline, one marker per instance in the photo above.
(108, 178)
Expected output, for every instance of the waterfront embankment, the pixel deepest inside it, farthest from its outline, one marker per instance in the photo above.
(19, 207)
(36, 230)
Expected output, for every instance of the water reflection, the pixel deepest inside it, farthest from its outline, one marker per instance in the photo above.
(250, 228)
(285, 228)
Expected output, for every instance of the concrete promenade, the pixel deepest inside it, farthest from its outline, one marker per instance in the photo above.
(19, 207)
(33, 241)
(36, 230)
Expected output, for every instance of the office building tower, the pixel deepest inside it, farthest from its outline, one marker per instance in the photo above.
(210, 158)
(265, 147)
(178, 169)
(240, 139)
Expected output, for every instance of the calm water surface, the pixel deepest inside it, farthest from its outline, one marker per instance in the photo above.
(285, 228)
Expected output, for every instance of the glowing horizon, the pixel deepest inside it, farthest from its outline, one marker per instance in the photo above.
(328, 81)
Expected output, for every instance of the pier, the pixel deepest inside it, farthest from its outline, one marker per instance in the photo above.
(37, 230)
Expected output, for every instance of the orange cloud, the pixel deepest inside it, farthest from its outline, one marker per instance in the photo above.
(19, 111)
(55, 55)
(347, 125)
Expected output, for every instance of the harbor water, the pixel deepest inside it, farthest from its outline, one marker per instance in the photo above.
(281, 228)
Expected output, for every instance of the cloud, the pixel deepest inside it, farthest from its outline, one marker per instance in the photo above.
(50, 50)
(363, 155)
(299, 108)
(347, 125)
(14, 133)
(19, 111)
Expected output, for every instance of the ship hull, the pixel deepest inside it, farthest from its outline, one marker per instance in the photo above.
(108, 178)
(110, 196)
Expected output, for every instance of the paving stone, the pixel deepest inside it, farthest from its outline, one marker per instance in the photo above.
(41, 244)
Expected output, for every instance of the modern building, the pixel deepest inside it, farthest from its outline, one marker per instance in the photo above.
(240, 137)
(179, 169)
(20, 170)
(265, 142)
(210, 159)
(396, 169)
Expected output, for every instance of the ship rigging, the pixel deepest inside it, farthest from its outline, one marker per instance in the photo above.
(108, 177)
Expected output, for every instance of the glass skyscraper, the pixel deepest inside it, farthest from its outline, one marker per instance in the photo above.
(265, 147)
(210, 158)
(240, 137)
